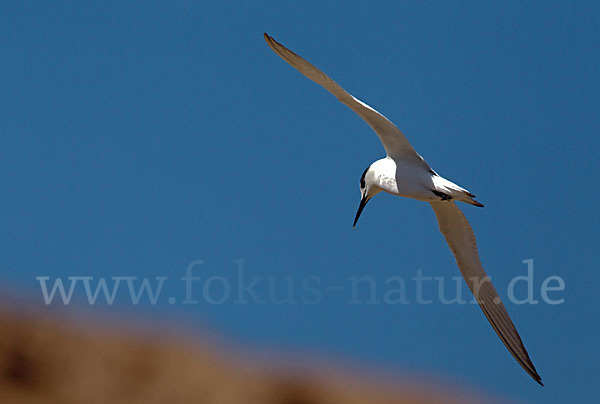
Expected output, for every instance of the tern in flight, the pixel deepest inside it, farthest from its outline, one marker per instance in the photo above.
(404, 172)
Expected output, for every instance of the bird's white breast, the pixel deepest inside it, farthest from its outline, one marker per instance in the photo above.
(403, 178)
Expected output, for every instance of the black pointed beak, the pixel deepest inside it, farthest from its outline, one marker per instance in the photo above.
(362, 205)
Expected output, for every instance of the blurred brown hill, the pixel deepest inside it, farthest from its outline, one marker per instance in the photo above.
(45, 361)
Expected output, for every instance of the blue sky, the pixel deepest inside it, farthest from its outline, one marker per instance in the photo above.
(137, 137)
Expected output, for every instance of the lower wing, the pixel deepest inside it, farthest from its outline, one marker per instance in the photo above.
(459, 235)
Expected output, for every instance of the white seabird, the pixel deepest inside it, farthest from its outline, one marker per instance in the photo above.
(404, 172)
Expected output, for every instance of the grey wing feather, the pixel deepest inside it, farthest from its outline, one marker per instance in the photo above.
(393, 140)
(459, 235)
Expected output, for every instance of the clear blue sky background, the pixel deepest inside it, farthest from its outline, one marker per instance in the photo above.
(137, 137)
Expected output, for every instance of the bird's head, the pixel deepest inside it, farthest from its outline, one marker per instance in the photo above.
(368, 189)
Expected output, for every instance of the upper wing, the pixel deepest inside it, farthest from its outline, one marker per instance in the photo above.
(459, 235)
(394, 142)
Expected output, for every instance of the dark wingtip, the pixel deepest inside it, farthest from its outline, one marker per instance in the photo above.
(536, 376)
(269, 38)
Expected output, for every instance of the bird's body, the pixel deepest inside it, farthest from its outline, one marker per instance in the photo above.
(405, 178)
(403, 172)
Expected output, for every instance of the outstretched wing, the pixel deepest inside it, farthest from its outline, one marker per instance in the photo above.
(394, 142)
(459, 235)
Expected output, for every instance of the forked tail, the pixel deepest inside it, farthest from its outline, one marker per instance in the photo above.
(448, 190)
(470, 199)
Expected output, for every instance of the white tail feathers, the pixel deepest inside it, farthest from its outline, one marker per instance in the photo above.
(449, 188)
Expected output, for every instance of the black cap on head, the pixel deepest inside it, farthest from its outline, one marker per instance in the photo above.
(362, 178)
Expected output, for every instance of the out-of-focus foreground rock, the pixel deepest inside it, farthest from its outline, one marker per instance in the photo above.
(44, 361)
